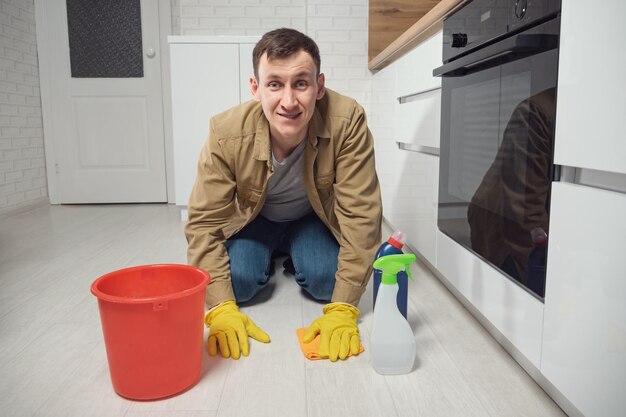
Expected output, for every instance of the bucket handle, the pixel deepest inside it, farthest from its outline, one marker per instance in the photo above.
(159, 305)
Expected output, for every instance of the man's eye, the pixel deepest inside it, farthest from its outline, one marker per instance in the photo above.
(273, 85)
(301, 84)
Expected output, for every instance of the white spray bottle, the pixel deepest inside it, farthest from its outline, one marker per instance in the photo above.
(392, 343)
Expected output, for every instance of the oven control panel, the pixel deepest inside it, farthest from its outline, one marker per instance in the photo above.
(481, 22)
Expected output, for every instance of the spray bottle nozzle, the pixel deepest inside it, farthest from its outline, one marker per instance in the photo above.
(390, 265)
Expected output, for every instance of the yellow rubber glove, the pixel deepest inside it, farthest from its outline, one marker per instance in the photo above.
(339, 334)
(230, 328)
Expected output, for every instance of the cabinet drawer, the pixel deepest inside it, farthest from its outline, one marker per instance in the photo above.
(414, 71)
(418, 119)
(410, 200)
(584, 336)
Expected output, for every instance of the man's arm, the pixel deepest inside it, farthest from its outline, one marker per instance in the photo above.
(359, 213)
(211, 207)
(358, 209)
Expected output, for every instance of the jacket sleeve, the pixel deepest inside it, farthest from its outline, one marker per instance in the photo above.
(358, 208)
(211, 207)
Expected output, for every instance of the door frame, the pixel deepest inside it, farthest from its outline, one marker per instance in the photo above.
(46, 85)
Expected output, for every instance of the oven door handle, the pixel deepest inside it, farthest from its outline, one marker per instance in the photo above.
(510, 49)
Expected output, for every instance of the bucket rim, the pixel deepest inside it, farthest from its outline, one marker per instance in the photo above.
(167, 297)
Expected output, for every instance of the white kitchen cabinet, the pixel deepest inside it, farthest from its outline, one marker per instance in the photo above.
(380, 122)
(591, 100)
(584, 337)
(413, 196)
(406, 137)
(418, 119)
(417, 112)
(414, 71)
(208, 75)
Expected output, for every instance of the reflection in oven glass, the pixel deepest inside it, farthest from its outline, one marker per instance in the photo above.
(508, 213)
(480, 117)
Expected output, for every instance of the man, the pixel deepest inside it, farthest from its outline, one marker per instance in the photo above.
(292, 170)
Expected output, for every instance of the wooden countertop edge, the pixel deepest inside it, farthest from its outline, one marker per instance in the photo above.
(425, 27)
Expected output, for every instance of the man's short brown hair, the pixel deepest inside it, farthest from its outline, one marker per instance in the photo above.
(282, 43)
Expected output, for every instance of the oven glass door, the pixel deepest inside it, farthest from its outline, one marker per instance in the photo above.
(496, 167)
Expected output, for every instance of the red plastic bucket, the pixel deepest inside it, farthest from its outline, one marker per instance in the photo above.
(152, 320)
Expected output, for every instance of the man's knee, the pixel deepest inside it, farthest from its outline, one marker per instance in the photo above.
(320, 293)
(318, 280)
(248, 279)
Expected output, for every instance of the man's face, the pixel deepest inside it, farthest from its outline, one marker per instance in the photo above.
(288, 89)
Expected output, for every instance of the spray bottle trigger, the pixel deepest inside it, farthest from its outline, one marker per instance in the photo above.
(392, 264)
(408, 273)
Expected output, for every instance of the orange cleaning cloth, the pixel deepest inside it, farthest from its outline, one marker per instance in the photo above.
(311, 349)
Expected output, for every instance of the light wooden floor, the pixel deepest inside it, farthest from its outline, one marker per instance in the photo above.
(53, 362)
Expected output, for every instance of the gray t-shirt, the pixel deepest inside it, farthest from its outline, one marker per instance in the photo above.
(286, 196)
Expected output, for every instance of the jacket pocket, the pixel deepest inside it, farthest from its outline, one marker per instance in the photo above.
(248, 197)
(324, 185)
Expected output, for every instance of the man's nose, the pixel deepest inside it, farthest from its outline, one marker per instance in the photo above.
(289, 100)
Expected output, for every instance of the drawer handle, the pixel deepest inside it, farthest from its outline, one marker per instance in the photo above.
(428, 150)
(414, 96)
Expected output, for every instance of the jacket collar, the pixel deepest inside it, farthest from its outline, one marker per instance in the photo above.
(317, 127)
(262, 139)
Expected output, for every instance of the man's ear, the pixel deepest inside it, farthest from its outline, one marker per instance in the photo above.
(321, 89)
(254, 88)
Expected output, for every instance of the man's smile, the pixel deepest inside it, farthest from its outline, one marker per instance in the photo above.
(290, 115)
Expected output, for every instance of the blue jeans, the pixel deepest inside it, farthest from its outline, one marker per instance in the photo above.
(312, 248)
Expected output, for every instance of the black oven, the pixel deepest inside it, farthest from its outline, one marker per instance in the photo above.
(499, 82)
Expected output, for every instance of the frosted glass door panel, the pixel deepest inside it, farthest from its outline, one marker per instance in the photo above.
(105, 38)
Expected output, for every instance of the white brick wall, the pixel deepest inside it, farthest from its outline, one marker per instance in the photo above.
(22, 162)
(338, 27)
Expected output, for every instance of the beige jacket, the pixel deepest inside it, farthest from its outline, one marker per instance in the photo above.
(231, 185)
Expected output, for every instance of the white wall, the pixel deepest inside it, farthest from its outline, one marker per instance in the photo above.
(340, 31)
(22, 162)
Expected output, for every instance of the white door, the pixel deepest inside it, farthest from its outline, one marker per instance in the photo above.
(102, 101)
